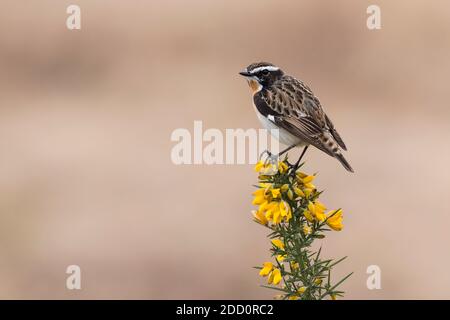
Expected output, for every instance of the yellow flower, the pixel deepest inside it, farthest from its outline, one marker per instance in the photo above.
(275, 193)
(300, 175)
(276, 216)
(263, 206)
(306, 229)
(284, 209)
(299, 192)
(284, 187)
(282, 167)
(318, 281)
(278, 243)
(260, 217)
(334, 220)
(320, 205)
(275, 276)
(308, 192)
(271, 208)
(308, 179)
(311, 207)
(260, 196)
(259, 166)
(267, 268)
(333, 297)
(290, 194)
(293, 297)
(265, 168)
(295, 266)
(280, 258)
(319, 211)
(308, 215)
(309, 186)
(301, 290)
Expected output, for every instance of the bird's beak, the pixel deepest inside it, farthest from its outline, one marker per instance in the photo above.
(245, 74)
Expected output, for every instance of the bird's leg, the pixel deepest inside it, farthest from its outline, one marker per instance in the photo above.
(269, 154)
(301, 156)
(271, 157)
(286, 150)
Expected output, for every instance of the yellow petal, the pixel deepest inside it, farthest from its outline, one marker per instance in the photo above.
(308, 179)
(276, 276)
(267, 268)
(259, 166)
(306, 229)
(282, 167)
(320, 216)
(308, 216)
(308, 192)
(290, 194)
(311, 207)
(276, 216)
(281, 257)
(299, 192)
(284, 187)
(258, 193)
(259, 217)
(301, 290)
(300, 174)
(320, 205)
(283, 209)
(270, 279)
(263, 206)
(275, 193)
(258, 200)
(334, 220)
(309, 186)
(278, 243)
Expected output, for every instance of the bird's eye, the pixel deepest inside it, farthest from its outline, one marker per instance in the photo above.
(265, 72)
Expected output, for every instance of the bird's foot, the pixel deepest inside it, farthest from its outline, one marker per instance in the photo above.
(271, 158)
(270, 162)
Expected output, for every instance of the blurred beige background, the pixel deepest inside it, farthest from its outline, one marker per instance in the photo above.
(85, 124)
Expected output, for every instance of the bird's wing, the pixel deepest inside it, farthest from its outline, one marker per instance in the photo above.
(335, 134)
(294, 108)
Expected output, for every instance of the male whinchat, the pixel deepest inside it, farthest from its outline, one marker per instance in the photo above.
(287, 104)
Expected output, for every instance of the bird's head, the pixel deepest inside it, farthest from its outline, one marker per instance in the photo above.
(261, 74)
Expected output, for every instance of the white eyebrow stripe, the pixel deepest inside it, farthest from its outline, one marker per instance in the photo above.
(268, 68)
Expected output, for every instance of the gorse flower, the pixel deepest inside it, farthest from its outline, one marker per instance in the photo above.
(278, 243)
(288, 204)
(334, 220)
(273, 273)
(268, 266)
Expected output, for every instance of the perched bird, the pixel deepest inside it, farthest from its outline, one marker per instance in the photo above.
(287, 104)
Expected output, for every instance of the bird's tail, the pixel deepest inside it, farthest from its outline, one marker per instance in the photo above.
(344, 162)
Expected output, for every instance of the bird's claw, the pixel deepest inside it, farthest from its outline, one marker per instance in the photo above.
(270, 162)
